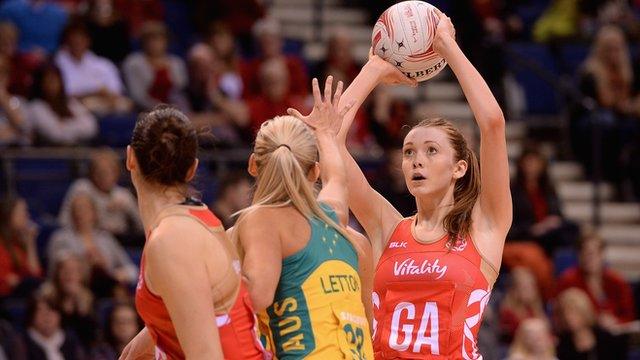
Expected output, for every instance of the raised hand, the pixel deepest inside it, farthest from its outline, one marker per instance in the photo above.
(390, 74)
(326, 115)
(445, 32)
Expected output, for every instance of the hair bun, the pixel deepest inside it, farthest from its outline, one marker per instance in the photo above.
(165, 143)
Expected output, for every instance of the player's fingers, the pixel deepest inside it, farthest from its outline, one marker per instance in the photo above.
(410, 81)
(338, 93)
(296, 113)
(317, 98)
(327, 88)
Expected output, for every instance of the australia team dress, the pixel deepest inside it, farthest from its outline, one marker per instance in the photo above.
(317, 311)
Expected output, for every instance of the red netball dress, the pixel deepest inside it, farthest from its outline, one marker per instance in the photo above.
(236, 325)
(428, 298)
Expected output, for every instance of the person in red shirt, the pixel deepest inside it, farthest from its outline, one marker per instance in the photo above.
(522, 301)
(608, 291)
(274, 98)
(18, 252)
(23, 65)
(267, 33)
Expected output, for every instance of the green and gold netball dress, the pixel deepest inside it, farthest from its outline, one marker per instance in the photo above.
(317, 311)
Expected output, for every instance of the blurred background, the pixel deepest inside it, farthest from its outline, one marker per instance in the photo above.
(74, 74)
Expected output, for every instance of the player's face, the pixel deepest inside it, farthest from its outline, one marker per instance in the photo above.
(428, 161)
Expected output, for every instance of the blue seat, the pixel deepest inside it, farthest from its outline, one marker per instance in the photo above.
(563, 259)
(116, 131)
(572, 56)
(16, 310)
(178, 19)
(540, 95)
(43, 183)
(206, 183)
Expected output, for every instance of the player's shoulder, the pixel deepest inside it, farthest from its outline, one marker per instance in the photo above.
(177, 232)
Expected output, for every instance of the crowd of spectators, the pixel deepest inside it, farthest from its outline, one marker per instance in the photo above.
(67, 66)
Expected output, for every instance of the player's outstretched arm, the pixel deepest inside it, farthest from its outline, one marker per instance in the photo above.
(374, 212)
(495, 196)
(325, 120)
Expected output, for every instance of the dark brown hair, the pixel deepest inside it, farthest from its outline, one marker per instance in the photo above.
(60, 102)
(166, 145)
(37, 297)
(75, 25)
(544, 181)
(457, 223)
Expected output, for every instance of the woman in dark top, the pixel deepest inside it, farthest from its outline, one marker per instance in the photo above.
(70, 293)
(45, 338)
(536, 207)
(608, 78)
(580, 335)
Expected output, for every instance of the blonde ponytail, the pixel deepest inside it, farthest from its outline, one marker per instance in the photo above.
(285, 152)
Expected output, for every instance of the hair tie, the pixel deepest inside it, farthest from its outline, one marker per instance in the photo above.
(285, 145)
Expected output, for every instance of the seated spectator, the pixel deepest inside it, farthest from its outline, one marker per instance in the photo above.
(121, 327)
(533, 341)
(274, 98)
(213, 110)
(521, 302)
(117, 208)
(111, 267)
(339, 61)
(56, 118)
(536, 207)
(234, 194)
(94, 80)
(154, 76)
(15, 129)
(239, 15)
(40, 23)
(223, 45)
(70, 294)
(45, 337)
(267, 33)
(22, 64)
(19, 263)
(580, 335)
(607, 77)
(610, 295)
(108, 31)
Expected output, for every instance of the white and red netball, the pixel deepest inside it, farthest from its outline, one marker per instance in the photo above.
(403, 36)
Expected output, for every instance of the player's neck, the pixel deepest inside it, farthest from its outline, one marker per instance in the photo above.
(152, 202)
(433, 209)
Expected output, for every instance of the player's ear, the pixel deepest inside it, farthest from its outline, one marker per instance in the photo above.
(252, 167)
